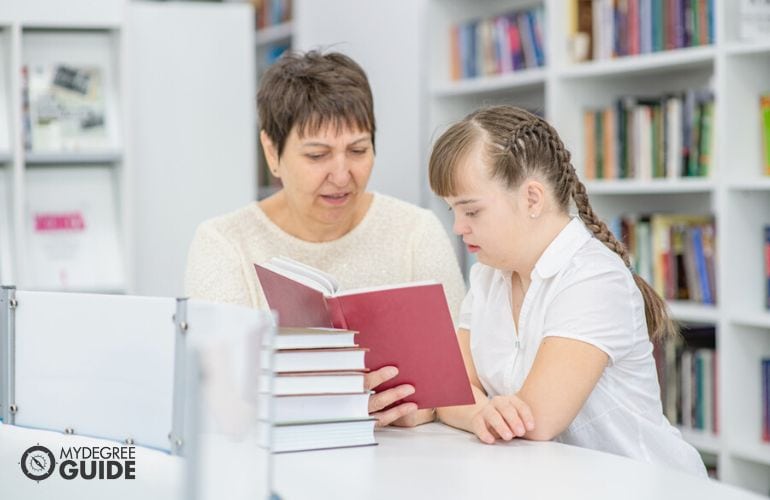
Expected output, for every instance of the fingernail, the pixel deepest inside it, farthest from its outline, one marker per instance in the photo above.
(507, 436)
(407, 390)
(392, 371)
(519, 430)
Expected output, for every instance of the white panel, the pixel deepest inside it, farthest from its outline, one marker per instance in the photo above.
(5, 95)
(99, 364)
(71, 13)
(191, 84)
(385, 39)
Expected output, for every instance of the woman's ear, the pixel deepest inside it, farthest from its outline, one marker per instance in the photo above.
(535, 192)
(271, 152)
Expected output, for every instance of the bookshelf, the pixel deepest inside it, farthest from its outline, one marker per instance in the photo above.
(272, 39)
(63, 229)
(735, 192)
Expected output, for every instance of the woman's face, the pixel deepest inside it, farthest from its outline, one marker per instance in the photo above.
(324, 175)
(492, 220)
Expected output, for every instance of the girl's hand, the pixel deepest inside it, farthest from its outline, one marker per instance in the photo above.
(502, 417)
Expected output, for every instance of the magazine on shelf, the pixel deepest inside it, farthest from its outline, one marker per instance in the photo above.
(72, 230)
(65, 108)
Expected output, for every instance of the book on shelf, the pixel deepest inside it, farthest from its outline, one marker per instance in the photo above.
(668, 136)
(675, 253)
(64, 108)
(306, 436)
(405, 325)
(766, 253)
(617, 28)
(764, 128)
(766, 400)
(497, 45)
(688, 373)
(271, 12)
(72, 229)
(322, 382)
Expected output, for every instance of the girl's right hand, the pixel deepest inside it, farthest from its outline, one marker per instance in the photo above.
(503, 417)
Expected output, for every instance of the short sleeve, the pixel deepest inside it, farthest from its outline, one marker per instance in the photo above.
(466, 311)
(434, 259)
(599, 308)
(214, 271)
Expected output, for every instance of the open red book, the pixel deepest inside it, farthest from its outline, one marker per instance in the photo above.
(407, 326)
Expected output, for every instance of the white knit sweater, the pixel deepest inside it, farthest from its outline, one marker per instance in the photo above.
(395, 242)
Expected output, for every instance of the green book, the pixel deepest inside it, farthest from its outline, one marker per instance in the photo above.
(706, 137)
(764, 107)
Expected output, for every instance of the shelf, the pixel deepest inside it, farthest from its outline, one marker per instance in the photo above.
(703, 441)
(679, 60)
(515, 81)
(758, 184)
(753, 320)
(756, 452)
(748, 48)
(73, 158)
(273, 34)
(633, 186)
(693, 312)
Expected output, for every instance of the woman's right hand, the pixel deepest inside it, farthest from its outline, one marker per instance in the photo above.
(503, 417)
(380, 400)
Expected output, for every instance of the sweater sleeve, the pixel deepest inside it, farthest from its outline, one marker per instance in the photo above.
(214, 269)
(434, 259)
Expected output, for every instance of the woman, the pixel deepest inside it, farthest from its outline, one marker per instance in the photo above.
(555, 329)
(317, 118)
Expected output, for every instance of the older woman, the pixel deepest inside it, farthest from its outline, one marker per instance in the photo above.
(317, 117)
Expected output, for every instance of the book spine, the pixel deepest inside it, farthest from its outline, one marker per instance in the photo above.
(764, 108)
(700, 264)
(337, 315)
(767, 267)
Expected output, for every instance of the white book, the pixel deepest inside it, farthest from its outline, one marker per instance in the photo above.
(72, 230)
(707, 384)
(674, 144)
(313, 407)
(312, 338)
(318, 435)
(286, 384)
(314, 360)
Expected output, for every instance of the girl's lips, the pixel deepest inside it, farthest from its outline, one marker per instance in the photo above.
(473, 248)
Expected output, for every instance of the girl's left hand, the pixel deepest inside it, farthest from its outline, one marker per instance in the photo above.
(505, 417)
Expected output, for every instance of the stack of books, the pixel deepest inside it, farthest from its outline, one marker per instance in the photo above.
(314, 396)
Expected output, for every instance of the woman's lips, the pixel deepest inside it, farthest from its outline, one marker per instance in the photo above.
(335, 199)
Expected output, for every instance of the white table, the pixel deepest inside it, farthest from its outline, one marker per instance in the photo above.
(436, 461)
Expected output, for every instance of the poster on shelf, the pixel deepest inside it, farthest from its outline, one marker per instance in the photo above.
(65, 108)
(72, 228)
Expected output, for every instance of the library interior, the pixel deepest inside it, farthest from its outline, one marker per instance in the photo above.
(217, 284)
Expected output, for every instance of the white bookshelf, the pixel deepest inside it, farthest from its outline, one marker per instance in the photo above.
(32, 36)
(736, 192)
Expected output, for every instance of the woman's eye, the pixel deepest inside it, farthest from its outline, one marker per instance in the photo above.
(315, 156)
(358, 152)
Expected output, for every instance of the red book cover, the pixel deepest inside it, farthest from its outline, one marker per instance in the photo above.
(407, 326)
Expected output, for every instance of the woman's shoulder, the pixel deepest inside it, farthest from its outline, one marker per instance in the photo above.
(232, 224)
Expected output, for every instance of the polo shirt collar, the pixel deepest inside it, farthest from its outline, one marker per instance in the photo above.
(556, 255)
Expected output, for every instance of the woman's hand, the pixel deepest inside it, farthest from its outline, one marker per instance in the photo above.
(383, 399)
(416, 418)
(503, 417)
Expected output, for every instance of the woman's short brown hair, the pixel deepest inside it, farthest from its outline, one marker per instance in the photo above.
(312, 90)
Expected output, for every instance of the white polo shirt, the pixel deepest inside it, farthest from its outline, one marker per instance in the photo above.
(581, 290)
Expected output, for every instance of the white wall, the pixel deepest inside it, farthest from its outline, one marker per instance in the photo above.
(191, 86)
(386, 39)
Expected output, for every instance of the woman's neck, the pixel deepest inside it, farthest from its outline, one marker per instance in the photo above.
(307, 228)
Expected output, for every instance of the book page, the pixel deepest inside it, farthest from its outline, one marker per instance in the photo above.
(379, 288)
(327, 281)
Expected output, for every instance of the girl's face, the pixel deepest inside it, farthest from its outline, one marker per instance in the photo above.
(493, 220)
(324, 175)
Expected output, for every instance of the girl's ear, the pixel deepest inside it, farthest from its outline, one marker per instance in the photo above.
(271, 152)
(535, 192)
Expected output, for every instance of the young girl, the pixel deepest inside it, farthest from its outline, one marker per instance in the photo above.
(556, 328)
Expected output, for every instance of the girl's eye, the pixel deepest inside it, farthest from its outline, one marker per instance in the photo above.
(471, 214)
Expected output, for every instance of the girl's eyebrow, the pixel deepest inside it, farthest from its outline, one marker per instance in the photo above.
(464, 202)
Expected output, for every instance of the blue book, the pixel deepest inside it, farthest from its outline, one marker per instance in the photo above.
(700, 264)
(537, 40)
